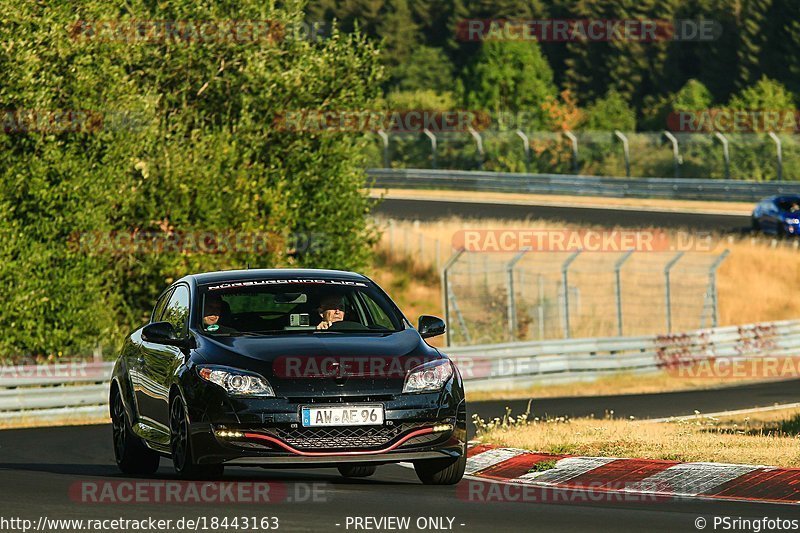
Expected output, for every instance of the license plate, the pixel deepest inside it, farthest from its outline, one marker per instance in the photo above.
(344, 415)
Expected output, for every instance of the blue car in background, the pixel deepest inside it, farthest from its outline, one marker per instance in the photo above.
(778, 215)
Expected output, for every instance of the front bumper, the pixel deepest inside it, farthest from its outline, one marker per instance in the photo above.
(269, 431)
(274, 445)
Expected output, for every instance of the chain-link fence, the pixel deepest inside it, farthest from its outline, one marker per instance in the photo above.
(506, 297)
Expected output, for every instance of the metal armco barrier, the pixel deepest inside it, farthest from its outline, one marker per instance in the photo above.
(522, 364)
(53, 391)
(688, 189)
(42, 392)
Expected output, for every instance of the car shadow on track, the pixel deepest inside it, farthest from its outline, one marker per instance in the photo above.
(231, 475)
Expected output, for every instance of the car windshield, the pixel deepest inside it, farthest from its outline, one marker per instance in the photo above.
(296, 306)
(792, 205)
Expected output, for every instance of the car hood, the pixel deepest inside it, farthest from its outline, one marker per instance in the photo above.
(329, 363)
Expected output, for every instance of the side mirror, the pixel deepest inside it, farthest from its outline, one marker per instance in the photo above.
(162, 333)
(431, 326)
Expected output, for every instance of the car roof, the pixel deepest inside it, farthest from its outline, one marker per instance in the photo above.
(223, 276)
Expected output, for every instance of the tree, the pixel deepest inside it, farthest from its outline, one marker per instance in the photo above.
(210, 151)
(610, 113)
(428, 68)
(765, 95)
(694, 96)
(511, 76)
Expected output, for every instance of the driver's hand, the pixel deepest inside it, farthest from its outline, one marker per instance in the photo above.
(323, 325)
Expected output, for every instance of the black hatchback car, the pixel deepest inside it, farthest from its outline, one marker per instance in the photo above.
(286, 367)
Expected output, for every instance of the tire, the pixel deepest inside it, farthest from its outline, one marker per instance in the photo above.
(357, 470)
(755, 227)
(441, 471)
(181, 446)
(133, 457)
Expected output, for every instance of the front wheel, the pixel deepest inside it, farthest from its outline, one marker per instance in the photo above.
(357, 470)
(181, 446)
(133, 457)
(441, 471)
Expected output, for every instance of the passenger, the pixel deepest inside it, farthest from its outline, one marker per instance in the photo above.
(330, 309)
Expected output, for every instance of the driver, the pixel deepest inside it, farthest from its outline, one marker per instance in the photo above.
(330, 309)
(213, 309)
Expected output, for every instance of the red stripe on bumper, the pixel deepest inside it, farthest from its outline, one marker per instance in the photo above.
(289, 448)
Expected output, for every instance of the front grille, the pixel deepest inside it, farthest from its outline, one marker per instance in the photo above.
(337, 438)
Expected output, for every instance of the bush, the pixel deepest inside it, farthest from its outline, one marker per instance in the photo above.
(203, 152)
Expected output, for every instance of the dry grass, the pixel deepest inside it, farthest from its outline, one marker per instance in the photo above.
(67, 420)
(766, 439)
(744, 208)
(614, 385)
(414, 288)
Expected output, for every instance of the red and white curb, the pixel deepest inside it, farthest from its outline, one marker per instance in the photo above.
(607, 475)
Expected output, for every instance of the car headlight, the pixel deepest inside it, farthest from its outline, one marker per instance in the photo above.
(428, 377)
(792, 220)
(236, 382)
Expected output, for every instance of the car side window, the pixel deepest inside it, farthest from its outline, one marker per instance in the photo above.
(177, 311)
(158, 310)
(378, 316)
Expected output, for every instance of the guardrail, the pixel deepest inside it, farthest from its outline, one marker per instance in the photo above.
(574, 185)
(522, 364)
(52, 392)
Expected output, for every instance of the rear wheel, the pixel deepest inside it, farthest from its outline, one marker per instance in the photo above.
(441, 471)
(132, 456)
(357, 470)
(181, 446)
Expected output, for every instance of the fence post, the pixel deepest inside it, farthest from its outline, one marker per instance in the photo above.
(618, 288)
(676, 154)
(712, 274)
(479, 144)
(565, 282)
(391, 238)
(432, 137)
(512, 304)
(726, 154)
(526, 147)
(625, 151)
(385, 138)
(574, 140)
(778, 153)
(540, 282)
(446, 290)
(668, 299)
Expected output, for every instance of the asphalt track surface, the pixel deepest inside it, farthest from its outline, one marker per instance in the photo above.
(38, 467)
(659, 405)
(427, 210)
